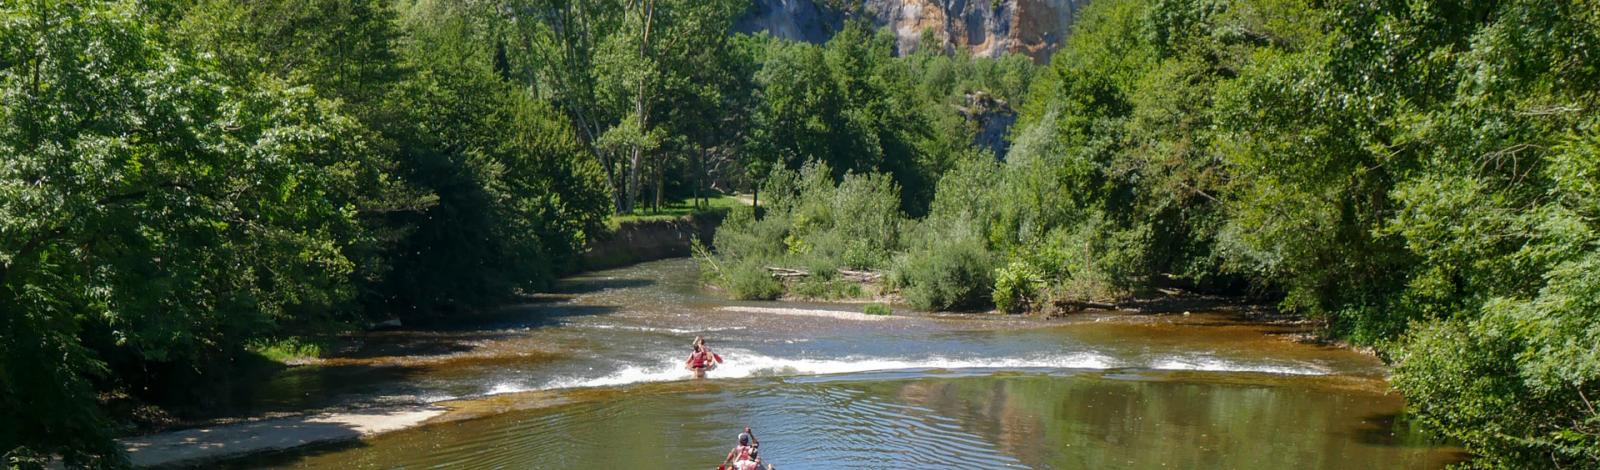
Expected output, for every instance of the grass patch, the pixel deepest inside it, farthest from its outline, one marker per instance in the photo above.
(288, 350)
(877, 309)
(817, 288)
(680, 209)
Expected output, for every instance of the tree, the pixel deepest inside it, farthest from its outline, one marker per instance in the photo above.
(152, 218)
(613, 65)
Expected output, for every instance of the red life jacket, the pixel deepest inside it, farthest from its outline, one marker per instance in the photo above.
(697, 360)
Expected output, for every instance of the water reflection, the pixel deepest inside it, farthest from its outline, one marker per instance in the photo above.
(1059, 420)
(592, 378)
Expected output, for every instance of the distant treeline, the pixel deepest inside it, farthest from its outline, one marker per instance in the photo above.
(1422, 177)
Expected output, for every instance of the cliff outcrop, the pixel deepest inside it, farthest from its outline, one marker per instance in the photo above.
(985, 28)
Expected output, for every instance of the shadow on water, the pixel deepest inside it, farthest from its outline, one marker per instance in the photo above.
(313, 387)
(526, 316)
(590, 285)
(1396, 430)
(383, 367)
(288, 458)
(256, 438)
(419, 343)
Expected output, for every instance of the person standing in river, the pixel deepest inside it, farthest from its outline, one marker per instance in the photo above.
(700, 343)
(698, 361)
(702, 359)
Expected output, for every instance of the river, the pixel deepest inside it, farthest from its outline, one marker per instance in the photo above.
(592, 378)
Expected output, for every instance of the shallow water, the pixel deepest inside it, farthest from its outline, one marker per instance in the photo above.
(594, 378)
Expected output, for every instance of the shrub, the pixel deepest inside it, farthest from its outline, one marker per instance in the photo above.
(822, 268)
(741, 236)
(811, 223)
(750, 281)
(860, 254)
(877, 309)
(1517, 386)
(947, 272)
(823, 289)
(1017, 286)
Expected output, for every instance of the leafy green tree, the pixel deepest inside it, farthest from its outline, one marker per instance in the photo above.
(516, 195)
(613, 67)
(152, 219)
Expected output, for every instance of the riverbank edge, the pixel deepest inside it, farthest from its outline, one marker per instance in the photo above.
(635, 242)
(231, 442)
(267, 435)
(631, 243)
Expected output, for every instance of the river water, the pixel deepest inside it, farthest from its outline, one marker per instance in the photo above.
(593, 378)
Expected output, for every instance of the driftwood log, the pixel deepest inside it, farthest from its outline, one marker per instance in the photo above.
(785, 273)
(846, 274)
(1081, 305)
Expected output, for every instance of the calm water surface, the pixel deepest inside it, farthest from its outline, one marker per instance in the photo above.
(593, 379)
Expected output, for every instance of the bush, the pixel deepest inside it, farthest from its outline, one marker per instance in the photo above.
(823, 289)
(742, 236)
(812, 223)
(877, 309)
(1516, 385)
(822, 269)
(1017, 286)
(952, 272)
(750, 281)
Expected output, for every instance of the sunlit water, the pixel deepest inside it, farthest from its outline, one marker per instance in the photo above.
(594, 379)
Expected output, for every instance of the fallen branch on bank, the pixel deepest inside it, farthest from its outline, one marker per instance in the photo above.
(845, 274)
(1081, 305)
(785, 273)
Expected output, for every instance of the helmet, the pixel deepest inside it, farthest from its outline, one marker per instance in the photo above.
(744, 439)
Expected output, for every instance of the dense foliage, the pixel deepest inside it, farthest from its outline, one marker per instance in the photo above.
(812, 222)
(848, 141)
(182, 180)
(189, 183)
(1418, 176)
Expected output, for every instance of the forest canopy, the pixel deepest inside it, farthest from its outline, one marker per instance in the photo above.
(1418, 177)
(188, 186)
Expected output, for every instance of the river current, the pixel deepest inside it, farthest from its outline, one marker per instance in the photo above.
(593, 378)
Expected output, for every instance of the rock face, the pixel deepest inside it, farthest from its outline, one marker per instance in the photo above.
(991, 117)
(986, 28)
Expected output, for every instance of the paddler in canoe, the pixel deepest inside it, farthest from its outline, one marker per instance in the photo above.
(745, 454)
(754, 462)
(702, 359)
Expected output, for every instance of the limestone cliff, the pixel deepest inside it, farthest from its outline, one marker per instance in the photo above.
(986, 28)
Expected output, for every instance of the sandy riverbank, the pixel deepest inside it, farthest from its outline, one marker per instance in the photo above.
(199, 446)
(808, 312)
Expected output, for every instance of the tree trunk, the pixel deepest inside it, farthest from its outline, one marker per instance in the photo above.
(700, 178)
(639, 109)
(633, 181)
(661, 176)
